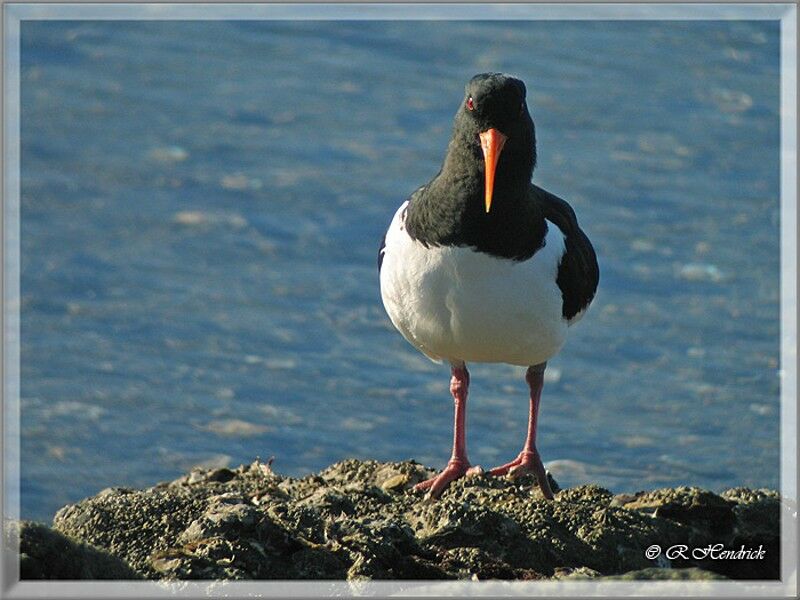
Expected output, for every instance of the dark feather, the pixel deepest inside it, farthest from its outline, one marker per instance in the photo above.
(381, 252)
(578, 273)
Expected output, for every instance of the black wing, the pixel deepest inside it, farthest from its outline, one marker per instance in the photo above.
(578, 273)
(381, 252)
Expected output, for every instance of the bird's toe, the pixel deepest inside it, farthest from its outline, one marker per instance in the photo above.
(519, 470)
(454, 470)
(504, 469)
(527, 463)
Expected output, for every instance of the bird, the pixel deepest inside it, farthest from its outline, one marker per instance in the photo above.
(480, 265)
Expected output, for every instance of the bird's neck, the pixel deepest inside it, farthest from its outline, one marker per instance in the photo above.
(450, 210)
(464, 161)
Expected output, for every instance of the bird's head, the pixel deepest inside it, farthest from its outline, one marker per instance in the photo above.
(493, 120)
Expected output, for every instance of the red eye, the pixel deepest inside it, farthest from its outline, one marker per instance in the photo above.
(470, 104)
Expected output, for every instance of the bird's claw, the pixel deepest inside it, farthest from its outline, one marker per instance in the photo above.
(527, 463)
(455, 469)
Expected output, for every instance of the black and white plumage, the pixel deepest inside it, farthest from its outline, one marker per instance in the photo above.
(481, 265)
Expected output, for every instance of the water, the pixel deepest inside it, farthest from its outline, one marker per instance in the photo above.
(202, 204)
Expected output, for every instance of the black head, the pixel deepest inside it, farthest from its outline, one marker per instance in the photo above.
(494, 123)
(496, 100)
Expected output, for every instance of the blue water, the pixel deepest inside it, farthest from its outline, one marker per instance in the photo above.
(202, 204)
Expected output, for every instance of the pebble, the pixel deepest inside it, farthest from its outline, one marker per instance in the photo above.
(396, 482)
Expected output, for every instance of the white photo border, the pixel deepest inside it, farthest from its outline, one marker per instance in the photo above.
(14, 13)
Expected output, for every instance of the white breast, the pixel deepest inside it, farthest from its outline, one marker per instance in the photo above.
(458, 305)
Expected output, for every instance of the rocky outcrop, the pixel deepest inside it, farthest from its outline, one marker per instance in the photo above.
(361, 520)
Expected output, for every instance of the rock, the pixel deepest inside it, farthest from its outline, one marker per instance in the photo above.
(47, 554)
(757, 515)
(362, 520)
(576, 573)
(689, 505)
(395, 483)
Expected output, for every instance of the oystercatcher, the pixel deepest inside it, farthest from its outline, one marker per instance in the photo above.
(480, 265)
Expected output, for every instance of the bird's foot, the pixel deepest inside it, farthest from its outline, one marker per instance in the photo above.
(527, 462)
(454, 470)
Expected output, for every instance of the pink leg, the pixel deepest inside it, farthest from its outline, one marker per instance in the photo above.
(458, 465)
(529, 461)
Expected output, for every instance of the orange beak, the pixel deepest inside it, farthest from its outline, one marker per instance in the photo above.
(492, 144)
